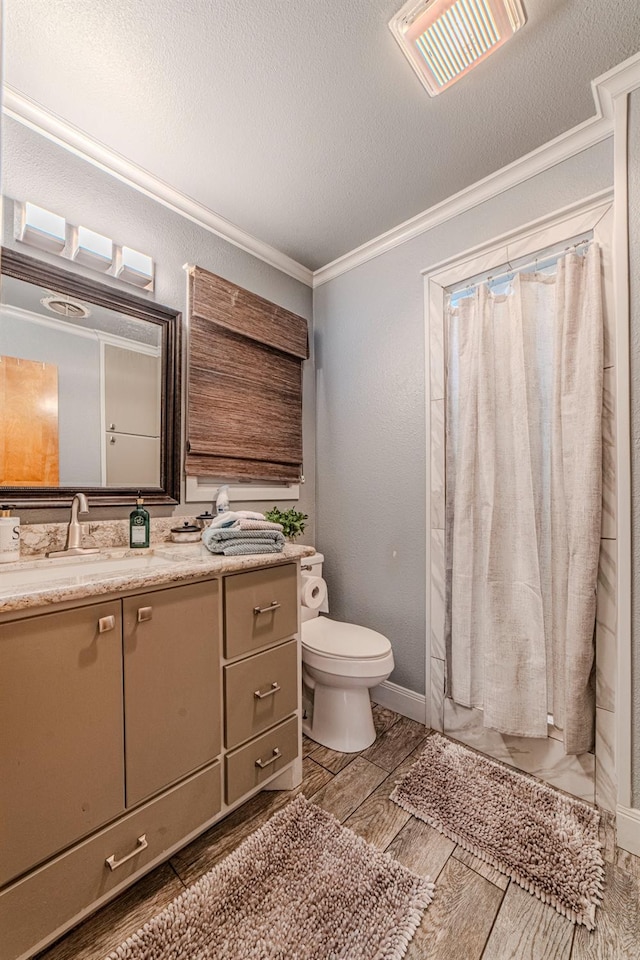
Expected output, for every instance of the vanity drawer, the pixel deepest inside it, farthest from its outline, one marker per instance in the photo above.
(261, 608)
(46, 901)
(254, 763)
(260, 692)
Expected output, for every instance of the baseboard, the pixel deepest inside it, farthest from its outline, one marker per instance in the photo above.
(628, 829)
(403, 701)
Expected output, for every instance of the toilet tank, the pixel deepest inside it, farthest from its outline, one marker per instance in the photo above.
(312, 566)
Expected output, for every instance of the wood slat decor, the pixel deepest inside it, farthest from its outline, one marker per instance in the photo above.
(244, 419)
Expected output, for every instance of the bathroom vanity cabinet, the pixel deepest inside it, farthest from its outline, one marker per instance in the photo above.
(128, 726)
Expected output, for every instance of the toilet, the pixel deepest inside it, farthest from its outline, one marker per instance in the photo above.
(340, 664)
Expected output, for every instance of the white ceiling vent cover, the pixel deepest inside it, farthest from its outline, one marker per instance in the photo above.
(444, 39)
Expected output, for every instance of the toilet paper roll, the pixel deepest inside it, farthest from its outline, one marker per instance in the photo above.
(314, 592)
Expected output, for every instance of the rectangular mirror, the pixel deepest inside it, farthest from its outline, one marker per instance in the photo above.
(89, 390)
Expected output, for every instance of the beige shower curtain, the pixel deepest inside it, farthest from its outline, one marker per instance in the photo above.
(524, 406)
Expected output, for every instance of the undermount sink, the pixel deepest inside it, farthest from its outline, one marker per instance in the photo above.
(88, 567)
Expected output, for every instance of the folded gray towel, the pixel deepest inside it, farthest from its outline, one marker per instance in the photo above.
(231, 549)
(222, 540)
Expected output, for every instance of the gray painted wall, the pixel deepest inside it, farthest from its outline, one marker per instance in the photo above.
(370, 371)
(34, 168)
(634, 278)
(78, 363)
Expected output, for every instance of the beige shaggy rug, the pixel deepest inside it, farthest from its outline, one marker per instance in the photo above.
(546, 841)
(302, 887)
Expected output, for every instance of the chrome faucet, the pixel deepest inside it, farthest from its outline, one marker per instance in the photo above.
(73, 547)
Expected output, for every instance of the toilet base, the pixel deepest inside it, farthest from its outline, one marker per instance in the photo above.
(342, 719)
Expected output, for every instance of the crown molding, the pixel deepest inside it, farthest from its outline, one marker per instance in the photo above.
(32, 114)
(606, 88)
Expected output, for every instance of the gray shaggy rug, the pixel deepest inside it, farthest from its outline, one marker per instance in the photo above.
(546, 841)
(302, 887)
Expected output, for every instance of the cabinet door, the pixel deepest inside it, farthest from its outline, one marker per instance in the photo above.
(61, 731)
(172, 685)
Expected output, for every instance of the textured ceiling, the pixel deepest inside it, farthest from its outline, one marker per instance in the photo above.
(301, 121)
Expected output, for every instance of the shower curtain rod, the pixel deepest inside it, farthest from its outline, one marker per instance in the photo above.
(539, 262)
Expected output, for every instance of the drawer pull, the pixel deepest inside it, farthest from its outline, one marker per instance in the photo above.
(268, 693)
(106, 623)
(141, 844)
(274, 605)
(144, 614)
(265, 763)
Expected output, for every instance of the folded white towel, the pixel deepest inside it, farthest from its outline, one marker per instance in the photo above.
(249, 515)
(227, 519)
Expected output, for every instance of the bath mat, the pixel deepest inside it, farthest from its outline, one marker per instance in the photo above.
(544, 840)
(302, 887)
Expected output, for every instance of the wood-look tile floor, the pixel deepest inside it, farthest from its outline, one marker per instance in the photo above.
(476, 914)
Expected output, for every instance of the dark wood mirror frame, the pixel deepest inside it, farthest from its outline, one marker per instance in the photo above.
(25, 268)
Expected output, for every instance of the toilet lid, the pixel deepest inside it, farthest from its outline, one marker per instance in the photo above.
(343, 640)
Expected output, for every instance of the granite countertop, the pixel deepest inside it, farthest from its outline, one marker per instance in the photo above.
(184, 562)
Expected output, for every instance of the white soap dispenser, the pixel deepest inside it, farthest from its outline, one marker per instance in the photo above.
(9, 535)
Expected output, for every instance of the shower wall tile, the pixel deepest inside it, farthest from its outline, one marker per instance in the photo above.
(436, 341)
(544, 758)
(437, 464)
(606, 780)
(437, 694)
(605, 649)
(606, 626)
(608, 455)
(437, 594)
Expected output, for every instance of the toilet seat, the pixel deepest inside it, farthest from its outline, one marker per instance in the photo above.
(343, 641)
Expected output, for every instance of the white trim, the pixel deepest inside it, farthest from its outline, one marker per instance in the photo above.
(623, 455)
(628, 829)
(103, 417)
(37, 117)
(205, 491)
(605, 88)
(403, 701)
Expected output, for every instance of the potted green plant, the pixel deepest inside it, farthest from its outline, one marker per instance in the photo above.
(293, 522)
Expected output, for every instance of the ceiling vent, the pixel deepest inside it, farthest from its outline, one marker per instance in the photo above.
(444, 39)
(65, 307)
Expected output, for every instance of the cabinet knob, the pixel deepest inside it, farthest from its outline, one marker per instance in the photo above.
(112, 426)
(272, 759)
(144, 614)
(112, 440)
(106, 623)
(268, 693)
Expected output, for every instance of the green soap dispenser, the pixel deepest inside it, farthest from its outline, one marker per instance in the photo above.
(139, 525)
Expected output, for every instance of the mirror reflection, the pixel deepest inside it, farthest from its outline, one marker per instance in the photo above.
(80, 393)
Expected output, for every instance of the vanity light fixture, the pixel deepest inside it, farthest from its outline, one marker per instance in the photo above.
(49, 231)
(444, 39)
(93, 249)
(39, 227)
(134, 267)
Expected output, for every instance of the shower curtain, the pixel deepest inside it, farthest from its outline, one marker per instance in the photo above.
(523, 500)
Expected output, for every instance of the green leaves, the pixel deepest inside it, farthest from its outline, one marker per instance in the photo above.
(293, 522)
